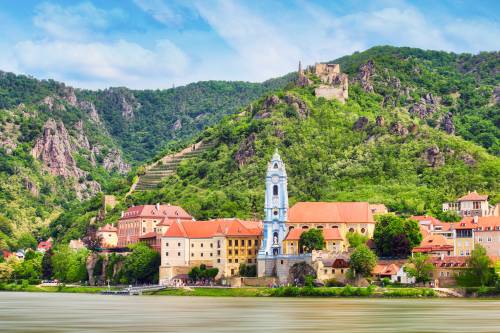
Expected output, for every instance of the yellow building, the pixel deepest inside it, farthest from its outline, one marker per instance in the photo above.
(222, 244)
(334, 243)
(108, 235)
(343, 216)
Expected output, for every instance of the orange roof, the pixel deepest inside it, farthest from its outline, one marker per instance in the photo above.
(491, 222)
(378, 208)
(381, 269)
(107, 228)
(151, 234)
(424, 231)
(473, 196)
(158, 211)
(328, 234)
(435, 240)
(449, 261)
(328, 212)
(425, 218)
(208, 229)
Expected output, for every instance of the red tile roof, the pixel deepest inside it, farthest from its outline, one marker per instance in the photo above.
(333, 212)
(208, 229)
(488, 223)
(45, 245)
(152, 211)
(151, 234)
(107, 228)
(473, 196)
(328, 234)
(382, 269)
(425, 218)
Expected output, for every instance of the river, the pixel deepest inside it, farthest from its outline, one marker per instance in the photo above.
(40, 312)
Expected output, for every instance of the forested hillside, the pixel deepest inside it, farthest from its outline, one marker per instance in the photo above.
(60, 145)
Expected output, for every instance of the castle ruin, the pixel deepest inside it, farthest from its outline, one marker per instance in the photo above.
(334, 84)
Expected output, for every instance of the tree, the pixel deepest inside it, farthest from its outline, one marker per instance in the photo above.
(355, 239)
(47, 265)
(362, 261)
(141, 266)
(479, 271)
(69, 265)
(27, 241)
(248, 270)
(311, 239)
(419, 267)
(300, 271)
(6, 272)
(395, 236)
(91, 240)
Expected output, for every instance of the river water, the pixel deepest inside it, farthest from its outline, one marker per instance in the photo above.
(39, 312)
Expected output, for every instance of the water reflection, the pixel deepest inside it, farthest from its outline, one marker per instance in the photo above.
(37, 312)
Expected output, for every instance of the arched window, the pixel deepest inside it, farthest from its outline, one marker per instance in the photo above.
(276, 165)
(290, 228)
(351, 229)
(320, 227)
(363, 230)
(305, 227)
(275, 190)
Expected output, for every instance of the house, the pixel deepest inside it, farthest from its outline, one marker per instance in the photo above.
(446, 269)
(487, 233)
(471, 204)
(344, 216)
(464, 230)
(435, 245)
(76, 244)
(332, 268)
(333, 241)
(223, 243)
(392, 270)
(108, 235)
(147, 223)
(44, 246)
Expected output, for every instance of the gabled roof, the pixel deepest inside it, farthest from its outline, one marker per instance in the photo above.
(383, 269)
(160, 211)
(330, 212)
(328, 234)
(208, 229)
(107, 228)
(473, 196)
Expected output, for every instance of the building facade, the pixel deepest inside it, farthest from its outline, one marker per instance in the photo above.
(147, 223)
(108, 235)
(224, 244)
(472, 204)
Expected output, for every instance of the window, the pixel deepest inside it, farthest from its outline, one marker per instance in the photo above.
(192, 254)
(218, 244)
(275, 189)
(305, 227)
(192, 244)
(167, 244)
(236, 252)
(230, 252)
(326, 271)
(467, 252)
(232, 271)
(218, 260)
(179, 244)
(351, 229)
(218, 252)
(275, 212)
(143, 229)
(249, 252)
(235, 242)
(489, 239)
(363, 230)
(320, 227)
(166, 253)
(211, 254)
(476, 205)
(201, 245)
(211, 245)
(333, 271)
(230, 260)
(178, 254)
(282, 262)
(236, 260)
(276, 165)
(230, 242)
(461, 252)
(342, 271)
(201, 254)
(480, 239)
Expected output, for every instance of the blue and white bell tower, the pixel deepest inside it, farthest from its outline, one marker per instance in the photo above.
(275, 209)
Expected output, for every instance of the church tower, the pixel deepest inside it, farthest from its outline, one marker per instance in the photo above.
(275, 208)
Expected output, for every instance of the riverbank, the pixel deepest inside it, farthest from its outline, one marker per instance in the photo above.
(347, 291)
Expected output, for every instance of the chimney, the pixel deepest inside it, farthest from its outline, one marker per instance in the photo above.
(476, 219)
(158, 206)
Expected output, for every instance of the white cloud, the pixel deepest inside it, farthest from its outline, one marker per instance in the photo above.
(97, 64)
(161, 11)
(73, 22)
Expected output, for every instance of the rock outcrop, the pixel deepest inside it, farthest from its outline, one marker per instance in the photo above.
(365, 74)
(70, 97)
(89, 107)
(54, 150)
(177, 125)
(399, 129)
(298, 104)
(380, 121)
(114, 162)
(496, 95)
(246, 150)
(360, 124)
(446, 123)
(425, 107)
(434, 157)
(125, 99)
(31, 187)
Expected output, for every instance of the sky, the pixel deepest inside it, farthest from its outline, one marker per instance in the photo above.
(156, 44)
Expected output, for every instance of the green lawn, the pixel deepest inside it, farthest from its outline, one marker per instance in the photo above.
(63, 289)
(215, 292)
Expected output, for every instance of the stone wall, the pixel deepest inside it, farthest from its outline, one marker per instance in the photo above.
(279, 266)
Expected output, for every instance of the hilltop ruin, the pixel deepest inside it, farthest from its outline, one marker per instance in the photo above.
(334, 84)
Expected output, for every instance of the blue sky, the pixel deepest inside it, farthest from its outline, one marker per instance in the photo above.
(160, 43)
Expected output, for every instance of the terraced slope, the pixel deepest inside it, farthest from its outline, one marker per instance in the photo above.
(167, 166)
